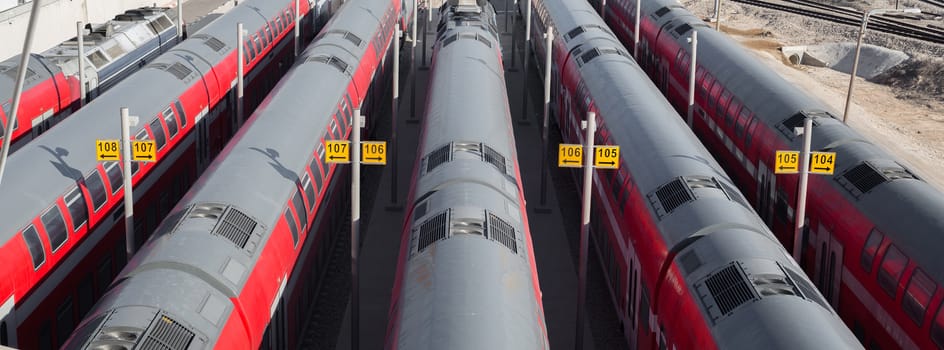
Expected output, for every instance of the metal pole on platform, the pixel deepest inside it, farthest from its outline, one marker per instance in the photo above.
(80, 36)
(525, 93)
(590, 126)
(358, 123)
(425, 39)
(240, 64)
(691, 77)
(548, 49)
(636, 31)
(393, 115)
(413, 66)
(180, 20)
(507, 13)
(129, 196)
(801, 190)
(297, 30)
(514, 30)
(18, 89)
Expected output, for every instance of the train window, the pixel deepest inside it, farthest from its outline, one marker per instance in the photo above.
(741, 123)
(733, 110)
(918, 296)
(141, 135)
(257, 42)
(115, 51)
(103, 275)
(182, 113)
(96, 188)
(64, 321)
(98, 59)
(893, 264)
(299, 206)
(871, 247)
(937, 328)
(268, 35)
(715, 93)
(158, 131)
(45, 336)
(114, 176)
(55, 228)
(170, 121)
(309, 191)
(75, 201)
(3, 334)
(316, 173)
(279, 24)
(252, 50)
(85, 300)
(292, 226)
(35, 246)
(723, 102)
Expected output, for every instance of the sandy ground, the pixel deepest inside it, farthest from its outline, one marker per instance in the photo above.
(907, 121)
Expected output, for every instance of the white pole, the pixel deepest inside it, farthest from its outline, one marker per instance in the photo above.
(240, 71)
(591, 128)
(425, 37)
(80, 36)
(129, 196)
(801, 191)
(548, 49)
(691, 77)
(297, 22)
(393, 114)
(180, 20)
(718, 15)
(527, 58)
(855, 65)
(18, 89)
(636, 32)
(355, 220)
(514, 30)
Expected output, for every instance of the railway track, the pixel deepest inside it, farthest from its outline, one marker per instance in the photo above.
(852, 17)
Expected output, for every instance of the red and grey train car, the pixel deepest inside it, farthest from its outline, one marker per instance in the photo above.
(873, 235)
(61, 234)
(466, 277)
(688, 263)
(238, 262)
(113, 51)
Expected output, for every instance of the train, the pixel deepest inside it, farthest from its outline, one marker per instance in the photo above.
(466, 277)
(872, 230)
(237, 263)
(687, 262)
(51, 89)
(62, 238)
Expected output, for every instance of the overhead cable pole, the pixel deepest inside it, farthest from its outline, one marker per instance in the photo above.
(691, 77)
(801, 190)
(590, 127)
(240, 67)
(180, 21)
(548, 49)
(527, 58)
(18, 89)
(393, 115)
(80, 36)
(636, 32)
(126, 122)
(413, 66)
(358, 123)
(297, 23)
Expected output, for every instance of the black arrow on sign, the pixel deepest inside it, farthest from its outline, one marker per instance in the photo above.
(108, 157)
(789, 167)
(336, 157)
(373, 158)
(823, 169)
(607, 163)
(571, 161)
(145, 157)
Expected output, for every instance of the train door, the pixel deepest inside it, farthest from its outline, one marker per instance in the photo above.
(632, 281)
(828, 271)
(41, 123)
(202, 144)
(8, 323)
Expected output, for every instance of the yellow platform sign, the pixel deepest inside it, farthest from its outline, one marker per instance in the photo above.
(374, 152)
(606, 157)
(787, 162)
(570, 156)
(107, 150)
(337, 151)
(143, 151)
(822, 163)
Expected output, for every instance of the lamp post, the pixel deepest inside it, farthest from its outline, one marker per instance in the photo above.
(855, 61)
